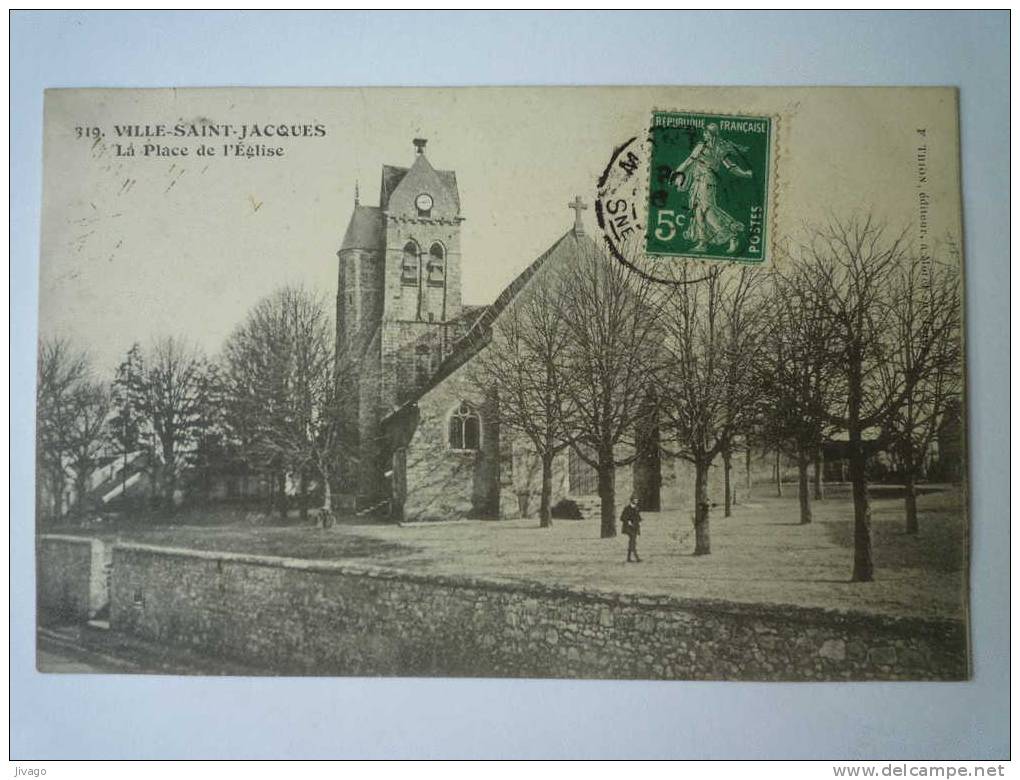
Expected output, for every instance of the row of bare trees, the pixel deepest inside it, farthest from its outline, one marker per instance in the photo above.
(569, 363)
(851, 334)
(867, 341)
(71, 411)
(269, 401)
(159, 402)
(593, 354)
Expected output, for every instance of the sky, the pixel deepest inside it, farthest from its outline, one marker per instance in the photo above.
(138, 247)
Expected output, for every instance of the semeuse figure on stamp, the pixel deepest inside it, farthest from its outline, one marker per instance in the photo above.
(630, 521)
(699, 176)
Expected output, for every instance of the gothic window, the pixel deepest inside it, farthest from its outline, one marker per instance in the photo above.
(465, 428)
(409, 266)
(437, 264)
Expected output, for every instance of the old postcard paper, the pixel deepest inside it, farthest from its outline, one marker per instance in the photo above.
(656, 383)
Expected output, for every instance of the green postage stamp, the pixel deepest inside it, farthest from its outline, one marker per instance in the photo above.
(708, 193)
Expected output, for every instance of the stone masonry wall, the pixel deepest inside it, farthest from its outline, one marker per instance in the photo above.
(320, 617)
(70, 578)
(453, 483)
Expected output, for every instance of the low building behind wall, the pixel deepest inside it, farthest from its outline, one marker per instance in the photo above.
(315, 617)
(71, 578)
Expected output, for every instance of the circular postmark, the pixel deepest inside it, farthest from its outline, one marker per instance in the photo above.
(690, 195)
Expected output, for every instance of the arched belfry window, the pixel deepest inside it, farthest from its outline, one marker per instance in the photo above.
(437, 264)
(409, 266)
(465, 428)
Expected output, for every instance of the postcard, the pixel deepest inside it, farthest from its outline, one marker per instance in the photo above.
(605, 382)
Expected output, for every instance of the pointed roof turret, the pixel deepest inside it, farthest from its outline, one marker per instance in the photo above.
(365, 230)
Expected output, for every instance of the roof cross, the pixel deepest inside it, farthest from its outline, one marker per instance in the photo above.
(578, 206)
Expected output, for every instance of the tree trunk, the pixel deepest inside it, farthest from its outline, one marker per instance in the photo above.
(819, 475)
(304, 497)
(803, 485)
(910, 485)
(80, 491)
(123, 481)
(864, 569)
(169, 477)
(607, 494)
(702, 542)
(779, 476)
(544, 512)
(728, 499)
(327, 494)
(271, 494)
(283, 496)
(58, 483)
(747, 471)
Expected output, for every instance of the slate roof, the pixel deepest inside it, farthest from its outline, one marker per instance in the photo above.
(366, 230)
(467, 317)
(392, 175)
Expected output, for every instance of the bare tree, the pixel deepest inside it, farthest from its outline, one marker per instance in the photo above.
(124, 429)
(85, 437)
(707, 391)
(284, 386)
(818, 474)
(796, 375)
(611, 319)
(924, 362)
(212, 447)
(850, 271)
(526, 362)
(62, 370)
(255, 377)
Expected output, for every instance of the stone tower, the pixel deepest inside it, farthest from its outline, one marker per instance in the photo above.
(398, 299)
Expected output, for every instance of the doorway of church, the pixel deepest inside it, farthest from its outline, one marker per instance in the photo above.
(583, 478)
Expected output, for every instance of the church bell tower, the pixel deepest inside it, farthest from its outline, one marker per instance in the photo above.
(421, 208)
(422, 213)
(399, 292)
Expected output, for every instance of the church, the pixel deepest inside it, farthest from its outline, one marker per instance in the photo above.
(428, 440)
